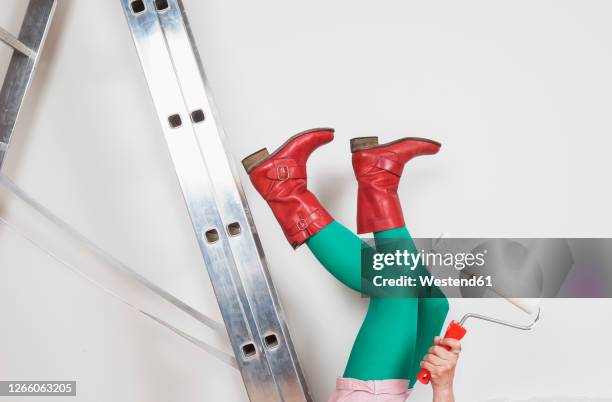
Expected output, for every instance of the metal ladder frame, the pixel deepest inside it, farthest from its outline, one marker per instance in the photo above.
(27, 47)
(218, 209)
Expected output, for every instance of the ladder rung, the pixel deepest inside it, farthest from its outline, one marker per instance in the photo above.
(9, 39)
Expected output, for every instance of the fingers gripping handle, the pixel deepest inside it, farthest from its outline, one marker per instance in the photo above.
(454, 331)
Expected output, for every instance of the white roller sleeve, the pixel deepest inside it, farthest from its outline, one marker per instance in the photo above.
(530, 306)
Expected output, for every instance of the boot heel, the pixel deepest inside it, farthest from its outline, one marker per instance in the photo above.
(361, 143)
(255, 159)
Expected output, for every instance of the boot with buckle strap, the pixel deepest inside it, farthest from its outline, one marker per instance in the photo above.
(281, 180)
(378, 169)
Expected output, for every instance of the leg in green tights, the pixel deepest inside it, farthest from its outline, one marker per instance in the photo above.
(396, 332)
(432, 310)
(384, 347)
(339, 251)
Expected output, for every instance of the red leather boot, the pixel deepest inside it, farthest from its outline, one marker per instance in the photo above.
(378, 169)
(280, 178)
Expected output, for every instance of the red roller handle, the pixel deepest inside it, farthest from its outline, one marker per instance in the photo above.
(454, 331)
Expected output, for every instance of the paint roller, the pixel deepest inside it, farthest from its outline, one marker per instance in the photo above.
(457, 330)
(535, 270)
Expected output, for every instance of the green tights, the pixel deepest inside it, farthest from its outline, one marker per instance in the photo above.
(396, 332)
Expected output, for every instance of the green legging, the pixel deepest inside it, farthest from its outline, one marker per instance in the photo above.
(396, 332)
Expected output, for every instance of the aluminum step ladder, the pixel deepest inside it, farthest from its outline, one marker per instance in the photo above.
(227, 237)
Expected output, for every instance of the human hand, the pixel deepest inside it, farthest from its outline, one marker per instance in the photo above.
(441, 364)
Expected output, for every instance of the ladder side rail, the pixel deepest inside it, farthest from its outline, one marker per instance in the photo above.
(197, 191)
(21, 68)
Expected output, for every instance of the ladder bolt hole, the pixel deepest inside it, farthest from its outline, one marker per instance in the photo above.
(212, 236)
(271, 341)
(249, 350)
(175, 121)
(138, 6)
(234, 229)
(161, 5)
(197, 116)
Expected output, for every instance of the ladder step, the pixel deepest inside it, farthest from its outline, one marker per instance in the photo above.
(6, 37)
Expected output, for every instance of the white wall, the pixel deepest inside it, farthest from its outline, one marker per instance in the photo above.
(518, 92)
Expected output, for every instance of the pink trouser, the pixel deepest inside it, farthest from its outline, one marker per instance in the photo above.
(352, 390)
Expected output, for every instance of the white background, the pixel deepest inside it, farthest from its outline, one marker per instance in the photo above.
(519, 93)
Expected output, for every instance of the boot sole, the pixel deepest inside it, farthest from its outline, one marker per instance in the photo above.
(363, 143)
(257, 158)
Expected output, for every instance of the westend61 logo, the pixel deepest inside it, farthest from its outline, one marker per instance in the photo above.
(396, 268)
(407, 259)
(487, 267)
